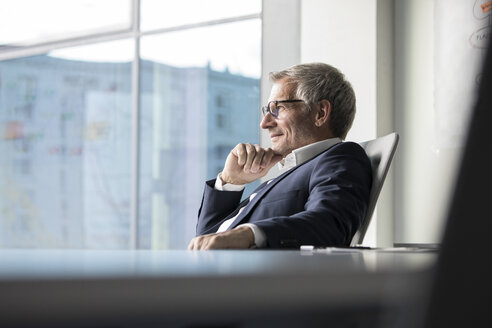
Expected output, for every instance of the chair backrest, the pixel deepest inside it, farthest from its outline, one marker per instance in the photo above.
(380, 152)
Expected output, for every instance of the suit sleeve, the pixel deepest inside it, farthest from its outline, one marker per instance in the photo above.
(339, 188)
(216, 206)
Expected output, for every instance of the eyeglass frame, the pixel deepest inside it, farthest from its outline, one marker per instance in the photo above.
(266, 109)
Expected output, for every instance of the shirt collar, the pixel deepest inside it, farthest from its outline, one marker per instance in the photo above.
(304, 154)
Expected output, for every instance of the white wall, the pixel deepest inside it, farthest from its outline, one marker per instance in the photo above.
(419, 189)
(432, 52)
(343, 34)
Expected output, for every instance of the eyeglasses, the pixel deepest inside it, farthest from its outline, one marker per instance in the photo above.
(273, 107)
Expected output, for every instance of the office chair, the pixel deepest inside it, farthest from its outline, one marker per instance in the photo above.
(380, 152)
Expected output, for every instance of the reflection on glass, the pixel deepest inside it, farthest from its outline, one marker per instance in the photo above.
(197, 103)
(31, 21)
(168, 13)
(65, 128)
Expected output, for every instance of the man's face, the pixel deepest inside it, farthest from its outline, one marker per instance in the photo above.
(293, 128)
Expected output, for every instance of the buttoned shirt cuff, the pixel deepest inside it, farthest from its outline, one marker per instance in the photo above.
(260, 237)
(226, 187)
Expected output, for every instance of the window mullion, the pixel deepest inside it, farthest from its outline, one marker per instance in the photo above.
(135, 151)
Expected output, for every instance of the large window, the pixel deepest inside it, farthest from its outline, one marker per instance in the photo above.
(108, 131)
(29, 22)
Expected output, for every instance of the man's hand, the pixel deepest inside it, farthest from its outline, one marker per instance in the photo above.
(247, 163)
(237, 238)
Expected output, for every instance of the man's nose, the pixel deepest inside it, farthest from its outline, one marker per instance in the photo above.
(268, 121)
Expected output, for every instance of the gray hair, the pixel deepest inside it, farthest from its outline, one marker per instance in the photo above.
(314, 82)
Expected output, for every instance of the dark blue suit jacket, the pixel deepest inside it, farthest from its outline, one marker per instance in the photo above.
(321, 202)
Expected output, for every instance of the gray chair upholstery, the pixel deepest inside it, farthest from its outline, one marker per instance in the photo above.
(380, 152)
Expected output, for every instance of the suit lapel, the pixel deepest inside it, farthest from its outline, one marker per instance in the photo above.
(260, 194)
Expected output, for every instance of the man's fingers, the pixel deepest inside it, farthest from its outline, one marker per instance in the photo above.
(191, 245)
(247, 163)
(194, 243)
(270, 159)
(198, 243)
(256, 165)
(254, 159)
(238, 238)
(265, 161)
(241, 154)
(204, 242)
(251, 153)
(275, 159)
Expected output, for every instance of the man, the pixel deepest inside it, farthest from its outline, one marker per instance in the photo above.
(322, 192)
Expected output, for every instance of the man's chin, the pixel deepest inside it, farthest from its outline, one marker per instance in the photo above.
(278, 150)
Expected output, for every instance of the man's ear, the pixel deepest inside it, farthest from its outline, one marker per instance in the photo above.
(323, 113)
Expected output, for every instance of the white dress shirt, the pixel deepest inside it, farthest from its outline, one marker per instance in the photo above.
(296, 157)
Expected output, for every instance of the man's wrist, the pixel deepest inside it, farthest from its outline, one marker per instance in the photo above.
(221, 179)
(259, 237)
(250, 236)
(226, 180)
(222, 186)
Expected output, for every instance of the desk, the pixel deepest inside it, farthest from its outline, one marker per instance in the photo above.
(138, 288)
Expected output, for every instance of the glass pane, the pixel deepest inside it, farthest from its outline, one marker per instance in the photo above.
(25, 22)
(65, 127)
(167, 13)
(200, 97)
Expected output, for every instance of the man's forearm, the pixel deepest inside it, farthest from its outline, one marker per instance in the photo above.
(215, 207)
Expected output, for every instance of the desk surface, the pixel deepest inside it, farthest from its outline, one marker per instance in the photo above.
(63, 286)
